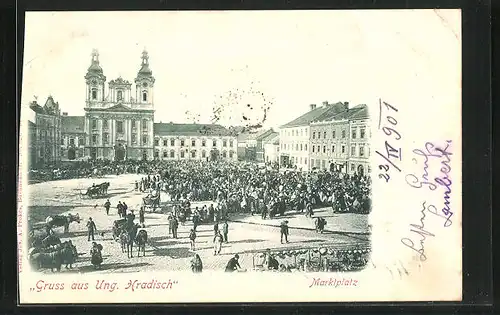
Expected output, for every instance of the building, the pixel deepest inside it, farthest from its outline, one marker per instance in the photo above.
(250, 144)
(272, 148)
(32, 147)
(119, 126)
(45, 133)
(194, 142)
(360, 136)
(340, 141)
(260, 141)
(73, 137)
(295, 136)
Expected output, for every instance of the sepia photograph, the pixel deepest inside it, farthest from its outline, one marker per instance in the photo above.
(252, 143)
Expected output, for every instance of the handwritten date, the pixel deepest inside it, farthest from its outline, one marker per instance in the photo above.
(390, 154)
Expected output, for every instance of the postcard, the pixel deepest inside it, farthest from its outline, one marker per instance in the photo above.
(240, 156)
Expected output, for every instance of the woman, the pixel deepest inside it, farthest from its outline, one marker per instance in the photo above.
(96, 255)
(196, 264)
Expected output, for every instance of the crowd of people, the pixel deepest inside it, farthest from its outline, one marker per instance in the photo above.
(244, 187)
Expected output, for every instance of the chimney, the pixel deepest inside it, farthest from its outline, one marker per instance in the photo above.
(313, 106)
(325, 103)
(65, 114)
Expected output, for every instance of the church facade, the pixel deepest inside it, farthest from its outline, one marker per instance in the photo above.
(119, 124)
(119, 121)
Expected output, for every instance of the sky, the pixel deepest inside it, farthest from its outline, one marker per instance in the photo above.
(243, 62)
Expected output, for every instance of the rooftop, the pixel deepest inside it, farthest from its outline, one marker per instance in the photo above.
(168, 129)
(317, 114)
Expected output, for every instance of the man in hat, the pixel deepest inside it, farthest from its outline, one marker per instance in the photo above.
(233, 264)
(284, 231)
(107, 205)
(90, 229)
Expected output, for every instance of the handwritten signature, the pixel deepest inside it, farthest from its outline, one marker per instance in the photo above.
(420, 230)
(444, 154)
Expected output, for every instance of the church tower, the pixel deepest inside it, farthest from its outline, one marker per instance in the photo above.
(144, 82)
(95, 81)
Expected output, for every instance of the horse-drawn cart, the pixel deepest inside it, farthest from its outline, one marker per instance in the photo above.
(97, 191)
(151, 201)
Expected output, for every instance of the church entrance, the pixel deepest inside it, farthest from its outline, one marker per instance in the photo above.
(93, 153)
(144, 155)
(71, 154)
(119, 152)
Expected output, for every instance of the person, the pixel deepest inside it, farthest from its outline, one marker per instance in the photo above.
(264, 211)
(125, 207)
(196, 219)
(170, 218)
(119, 206)
(216, 228)
(136, 186)
(217, 243)
(192, 238)
(141, 216)
(106, 206)
(196, 264)
(272, 263)
(175, 225)
(309, 210)
(233, 264)
(225, 230)
(96, 254)
(284, 231)
(91, 228)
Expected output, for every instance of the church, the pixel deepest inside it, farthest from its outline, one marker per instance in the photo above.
(119, 124)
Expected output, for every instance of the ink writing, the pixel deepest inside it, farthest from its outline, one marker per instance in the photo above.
(437, 154)
(390, 153)
(419, 233)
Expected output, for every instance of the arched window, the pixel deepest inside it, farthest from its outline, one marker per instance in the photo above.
(94, 94)
(119, 95)
(144, 96)
(172, 154)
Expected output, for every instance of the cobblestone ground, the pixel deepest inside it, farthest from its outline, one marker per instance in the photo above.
(248, 235)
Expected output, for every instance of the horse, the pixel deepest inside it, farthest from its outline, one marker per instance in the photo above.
(118, 227)
(141, 239)
(124, 240)
(52, 260)
(44, 241)
(62, 220)
(103, 188)
(131, 235)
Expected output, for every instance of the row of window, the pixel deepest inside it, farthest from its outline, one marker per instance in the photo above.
(354, 133)
(105, 139)
(296, 146)
(166, 142)
(294, 132)
(317, 149)
(81, 141)
(119, 125)
(171, 154)
(119, 95)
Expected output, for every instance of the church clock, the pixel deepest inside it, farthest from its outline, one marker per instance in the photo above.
(145, 84)
(94, 82)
